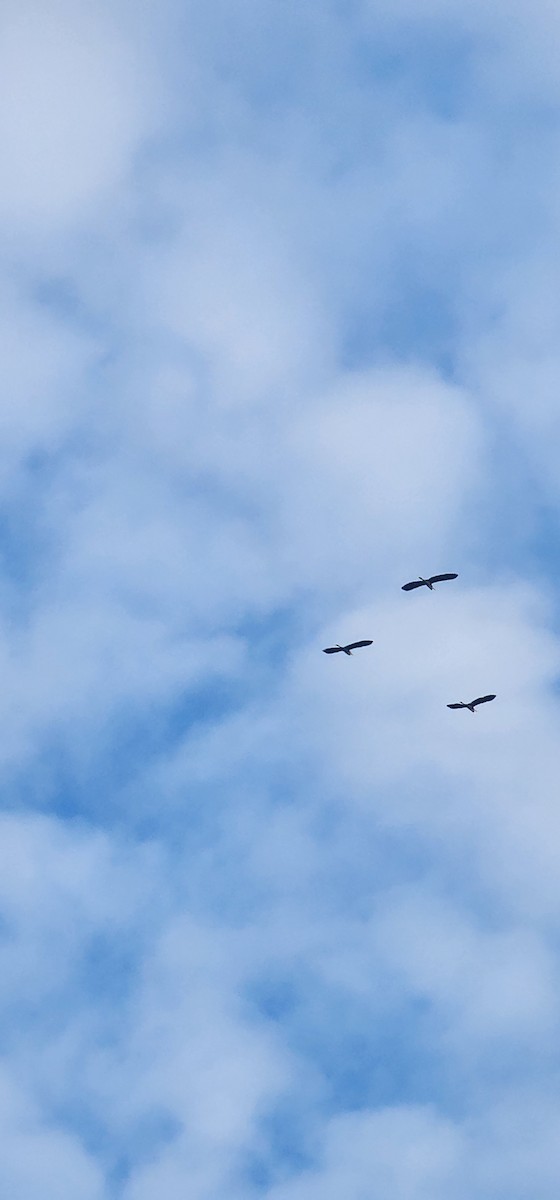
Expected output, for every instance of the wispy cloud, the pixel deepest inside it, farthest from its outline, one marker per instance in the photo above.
(278, 325)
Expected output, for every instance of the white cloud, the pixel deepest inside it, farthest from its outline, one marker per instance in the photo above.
(74, 104)
(487, 986)
(40, 1158)
(232, 427)
(406, 1151)
(45, 373)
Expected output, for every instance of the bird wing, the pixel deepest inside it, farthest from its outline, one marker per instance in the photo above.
(483, 699)
(332, 650)
(456, 706)
(408, 587)
(356, 645)
(440, 578)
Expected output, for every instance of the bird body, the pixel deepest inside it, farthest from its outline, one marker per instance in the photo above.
(429, 583)
(346, 649)
(472, 703)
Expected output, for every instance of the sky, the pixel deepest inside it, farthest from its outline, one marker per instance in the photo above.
(280, 331)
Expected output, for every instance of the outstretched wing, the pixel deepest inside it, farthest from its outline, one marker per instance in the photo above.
(483, 699)
(456, 705)
(356, 645)
(408, 587)
(332, 650)
(439, 579)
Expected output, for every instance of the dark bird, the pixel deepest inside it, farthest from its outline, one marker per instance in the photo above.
(471, 707)
(346, 649)
(409, 587)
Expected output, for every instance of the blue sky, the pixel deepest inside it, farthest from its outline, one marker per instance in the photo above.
(279, 326)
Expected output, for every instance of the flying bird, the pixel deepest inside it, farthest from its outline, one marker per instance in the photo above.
(346, 649)
(408, 587)
(471, 707)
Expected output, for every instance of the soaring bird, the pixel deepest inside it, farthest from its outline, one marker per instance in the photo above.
(408, 587)
(346, 649)
(471, 707)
